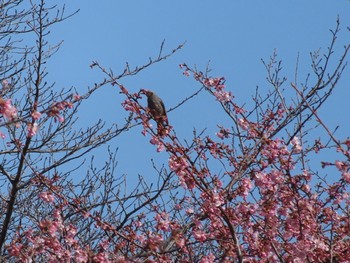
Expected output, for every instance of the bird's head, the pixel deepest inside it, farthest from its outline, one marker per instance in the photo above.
(148, 93)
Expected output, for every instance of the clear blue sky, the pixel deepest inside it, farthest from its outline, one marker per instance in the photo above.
(233, 35)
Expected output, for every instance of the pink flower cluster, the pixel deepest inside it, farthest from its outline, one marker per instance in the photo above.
(215, 85)
(245, 199)
(47, 240)
(159, 143)
(57, 108)
(47, 197)
(181, 167)
(223, 133)
(8, 110)
(32, 129)
(218, 86)
(186, 71)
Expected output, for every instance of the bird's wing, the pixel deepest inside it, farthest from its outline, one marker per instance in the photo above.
(163, 107)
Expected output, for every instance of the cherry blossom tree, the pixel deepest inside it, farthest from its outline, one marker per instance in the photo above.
(251, 193)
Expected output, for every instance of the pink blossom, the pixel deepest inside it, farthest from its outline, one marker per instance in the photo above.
(32, 129)
(48, 226)
(71, 231)
(177, 163)
(246, 186)
(138, 223)
(306, 188)
(5, 84)
(36, 115)
(177, 207)
(60, 118)
(260, 177)
(15, 249)
(223, 133)
(160, 147)
(346, 176)
(296, 143)
(239, 110)
(223, 96)
(341, 166)
(47, 197)
(154, 241)
(56, 109)
(180, 166)
(159, 143)
(101, 257)
(243, 123)
(217, 199)
(80, 256)
(132, 106)
(141, 238)
(186, 73)
(199, 235)
(220, 135)
(208, 259)
(180, 241)
(76, 97)
(7, 109)
(163, 222)
(189, 211)
(306, 175)
(213, 82)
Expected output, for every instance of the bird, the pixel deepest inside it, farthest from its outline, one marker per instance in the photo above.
(157, 110)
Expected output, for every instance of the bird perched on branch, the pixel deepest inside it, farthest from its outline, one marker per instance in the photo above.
(157, 110)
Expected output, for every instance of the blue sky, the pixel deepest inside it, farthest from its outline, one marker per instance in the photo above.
(233, 35)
